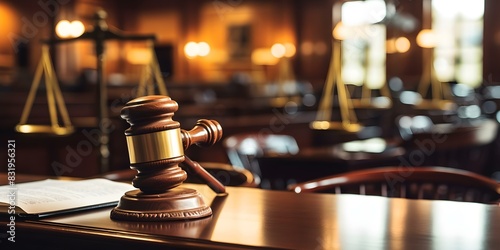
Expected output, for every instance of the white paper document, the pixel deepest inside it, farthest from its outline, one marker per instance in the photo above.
(50, 196)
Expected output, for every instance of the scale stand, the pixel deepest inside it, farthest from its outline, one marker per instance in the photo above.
(349, 121)
(54, 98)
(99, 35)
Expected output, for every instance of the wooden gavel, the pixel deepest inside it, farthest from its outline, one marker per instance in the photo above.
(156, 147)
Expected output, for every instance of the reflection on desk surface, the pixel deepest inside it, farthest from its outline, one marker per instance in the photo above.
(254, 218)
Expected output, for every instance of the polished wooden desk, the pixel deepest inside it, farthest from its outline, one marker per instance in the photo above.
(249, 218)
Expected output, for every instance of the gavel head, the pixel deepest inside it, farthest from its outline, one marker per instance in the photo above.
(156, 143)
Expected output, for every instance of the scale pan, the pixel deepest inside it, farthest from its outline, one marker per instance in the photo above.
(44, 129)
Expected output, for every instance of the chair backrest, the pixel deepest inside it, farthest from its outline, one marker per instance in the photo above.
(241, 149)
(435, 183)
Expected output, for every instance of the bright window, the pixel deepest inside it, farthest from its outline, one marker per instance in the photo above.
(458, 55)
(364, 46)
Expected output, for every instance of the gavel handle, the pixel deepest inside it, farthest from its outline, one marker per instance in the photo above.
(211, 181)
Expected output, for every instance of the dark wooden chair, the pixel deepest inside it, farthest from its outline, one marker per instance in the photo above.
(242, 149)
(435, 183)
(464, 146)
(315, 162)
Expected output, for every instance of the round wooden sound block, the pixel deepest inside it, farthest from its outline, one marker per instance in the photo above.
(174, 204)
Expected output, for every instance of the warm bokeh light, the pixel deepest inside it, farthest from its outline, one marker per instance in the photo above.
(191, 49)
(67, 29)
(402, 44)
(307, 48)
(77, 28)
(278, 50)
(203, 49)
(340, 32)
(9, 22)
(289, 50)
(63, 29)
(390, 46)
(426, 38)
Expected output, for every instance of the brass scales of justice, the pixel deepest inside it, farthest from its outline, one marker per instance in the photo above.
(349, 121)
(155, 142)
(335, 89)
(57, 108)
